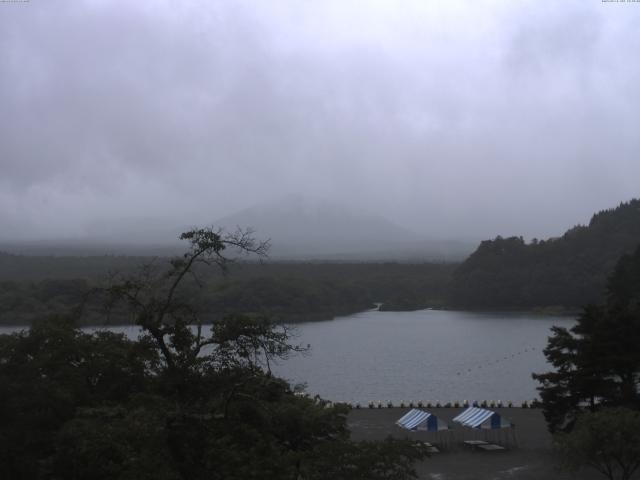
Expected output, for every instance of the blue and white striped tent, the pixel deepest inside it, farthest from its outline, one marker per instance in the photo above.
(475, 417)
(421, 420)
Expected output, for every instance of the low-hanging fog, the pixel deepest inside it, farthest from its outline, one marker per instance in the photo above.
(458, 120)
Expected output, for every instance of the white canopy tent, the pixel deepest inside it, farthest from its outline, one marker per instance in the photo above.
(420, 420)
(492, 424)
(431, 426)
(475, 417)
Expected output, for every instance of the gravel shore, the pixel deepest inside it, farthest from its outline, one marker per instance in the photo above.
(529, 457)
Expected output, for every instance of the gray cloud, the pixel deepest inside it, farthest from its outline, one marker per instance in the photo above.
(456, 118)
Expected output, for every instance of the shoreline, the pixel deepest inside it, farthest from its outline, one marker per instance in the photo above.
(377, 424)
(531, 459)
(318, 317)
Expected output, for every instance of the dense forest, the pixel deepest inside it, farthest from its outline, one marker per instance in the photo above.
(569, 271)
(177, 403)
(564, 273)
(597, 361)
(34, 286)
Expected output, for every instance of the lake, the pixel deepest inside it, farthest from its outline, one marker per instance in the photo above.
(428, 355)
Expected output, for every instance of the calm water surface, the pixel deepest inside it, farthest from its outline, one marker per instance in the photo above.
(427, 355)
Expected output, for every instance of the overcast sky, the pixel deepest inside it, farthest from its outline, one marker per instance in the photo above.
(461, 119)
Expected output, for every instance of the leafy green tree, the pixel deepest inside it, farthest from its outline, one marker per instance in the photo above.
(179, 402)
(607, 440)
(127, 442)
(50, 372)
(597, 361)
(390, 459)
(568, 271)
(156, 301)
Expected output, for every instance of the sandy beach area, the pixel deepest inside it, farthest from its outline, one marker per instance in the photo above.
(528, 457)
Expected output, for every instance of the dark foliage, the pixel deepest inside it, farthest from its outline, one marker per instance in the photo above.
(50, 373)
(568, 271)
(179, 402)
(290, 292)
(597, 362)
(607, 441)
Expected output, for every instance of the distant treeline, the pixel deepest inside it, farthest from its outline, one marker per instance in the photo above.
(569, 271)
(17, 268)
(505, 273)
(290, 292)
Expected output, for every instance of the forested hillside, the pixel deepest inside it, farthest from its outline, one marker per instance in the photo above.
(569, 271)
(32, 287)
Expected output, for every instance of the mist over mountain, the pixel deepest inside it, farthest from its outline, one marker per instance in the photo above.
(305, 227)
(146, 236)
(300, 228)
